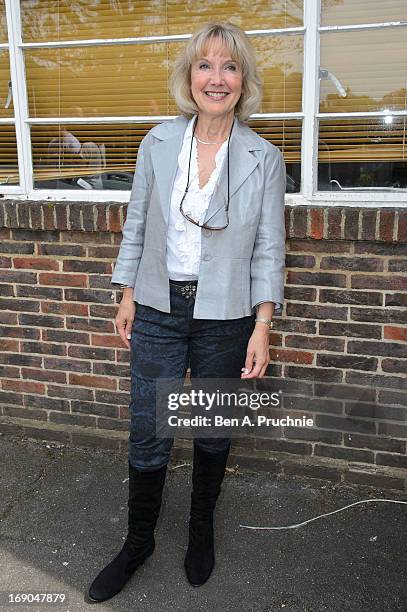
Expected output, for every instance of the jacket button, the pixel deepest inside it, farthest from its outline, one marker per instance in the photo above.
(207, 233)
(206, 257)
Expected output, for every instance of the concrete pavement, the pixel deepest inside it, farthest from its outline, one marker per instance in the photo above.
(63, 517)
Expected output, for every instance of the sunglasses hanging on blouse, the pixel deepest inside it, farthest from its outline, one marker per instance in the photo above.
(185, 214)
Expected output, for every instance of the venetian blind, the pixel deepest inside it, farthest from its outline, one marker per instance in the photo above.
(132, 80)
(367, 72)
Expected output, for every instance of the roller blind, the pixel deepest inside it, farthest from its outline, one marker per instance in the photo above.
(49, 20)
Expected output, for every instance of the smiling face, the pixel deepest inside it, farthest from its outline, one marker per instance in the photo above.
(216, 80)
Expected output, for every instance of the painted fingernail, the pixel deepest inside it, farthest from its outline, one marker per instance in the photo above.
(128, 336)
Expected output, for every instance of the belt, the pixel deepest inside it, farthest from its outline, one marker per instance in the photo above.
(187, 288)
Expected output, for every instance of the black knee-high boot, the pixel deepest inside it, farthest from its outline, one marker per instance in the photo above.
(145, 495)
(207, 476)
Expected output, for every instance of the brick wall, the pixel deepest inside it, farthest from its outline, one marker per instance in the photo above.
(338, 352)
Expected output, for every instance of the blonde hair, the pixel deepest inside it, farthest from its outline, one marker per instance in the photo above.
(242, 52)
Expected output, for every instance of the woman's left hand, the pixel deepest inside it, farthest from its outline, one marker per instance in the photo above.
(257, 356)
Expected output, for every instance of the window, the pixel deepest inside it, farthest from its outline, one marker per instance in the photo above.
(363, 71)
(9, 173)
(89, 79)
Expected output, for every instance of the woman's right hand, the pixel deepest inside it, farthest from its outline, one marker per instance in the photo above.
(125, 317)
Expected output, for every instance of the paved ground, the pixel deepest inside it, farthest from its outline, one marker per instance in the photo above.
(63, 516)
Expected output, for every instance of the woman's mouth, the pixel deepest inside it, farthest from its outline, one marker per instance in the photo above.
(216, 95)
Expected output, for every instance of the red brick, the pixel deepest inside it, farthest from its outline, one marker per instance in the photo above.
(35, 263)
(63, 280)
(386, 225)
(395, 333)
(107, 340)
(114, 219)
(388, 281)
(45, 375)
(317, 223)
(334, 223)
(67, 308)
(101, 223)
(402, 231)
(368, 225)
(291, 356)
(100, 382)
(24, 386)
(9, 345)
(49, 215)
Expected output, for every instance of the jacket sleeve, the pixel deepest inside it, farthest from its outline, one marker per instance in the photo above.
(267, 269)
(131, 247)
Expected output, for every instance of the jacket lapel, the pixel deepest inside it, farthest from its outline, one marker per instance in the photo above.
(165, 153)
(241, 165)
(164, 157)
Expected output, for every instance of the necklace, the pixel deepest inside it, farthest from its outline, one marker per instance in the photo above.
(209, 143)
(187, 185)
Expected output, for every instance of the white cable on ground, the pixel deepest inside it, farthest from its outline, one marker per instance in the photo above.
(392, 501)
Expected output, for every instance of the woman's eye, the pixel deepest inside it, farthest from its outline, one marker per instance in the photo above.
(202, 65)
(231, 66)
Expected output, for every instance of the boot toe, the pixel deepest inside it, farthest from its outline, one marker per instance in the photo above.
(199, 568)
(110, 581)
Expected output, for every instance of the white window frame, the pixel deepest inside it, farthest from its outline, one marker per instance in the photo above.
(309, 115)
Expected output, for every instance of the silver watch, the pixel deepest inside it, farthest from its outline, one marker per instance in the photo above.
(268, 322)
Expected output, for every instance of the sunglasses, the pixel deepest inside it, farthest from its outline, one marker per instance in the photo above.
(186, 215)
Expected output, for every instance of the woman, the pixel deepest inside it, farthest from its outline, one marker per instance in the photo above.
(202, 269)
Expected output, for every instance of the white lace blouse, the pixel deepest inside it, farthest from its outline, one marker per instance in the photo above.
(184, 238)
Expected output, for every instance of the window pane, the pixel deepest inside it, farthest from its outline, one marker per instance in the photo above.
(280, 63)
(6, 106)
(353, 12)
(3, 23)
(132, 79)
(98, 81)
(8, 156)
(365, 153)
(368, 67)
(286, 135)
(46, 20)
(104, 156)
(85, 156)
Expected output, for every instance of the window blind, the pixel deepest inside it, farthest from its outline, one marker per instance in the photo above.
(72, 151)
(371, 66)
(6, 105)
(353, 12)
(8, 156)
(3, 23)
(49, 20)
(133, 79)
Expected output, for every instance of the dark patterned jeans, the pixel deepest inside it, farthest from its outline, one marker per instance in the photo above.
(163, 345)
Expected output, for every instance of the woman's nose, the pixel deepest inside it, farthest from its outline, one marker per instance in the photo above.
(217, 76)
